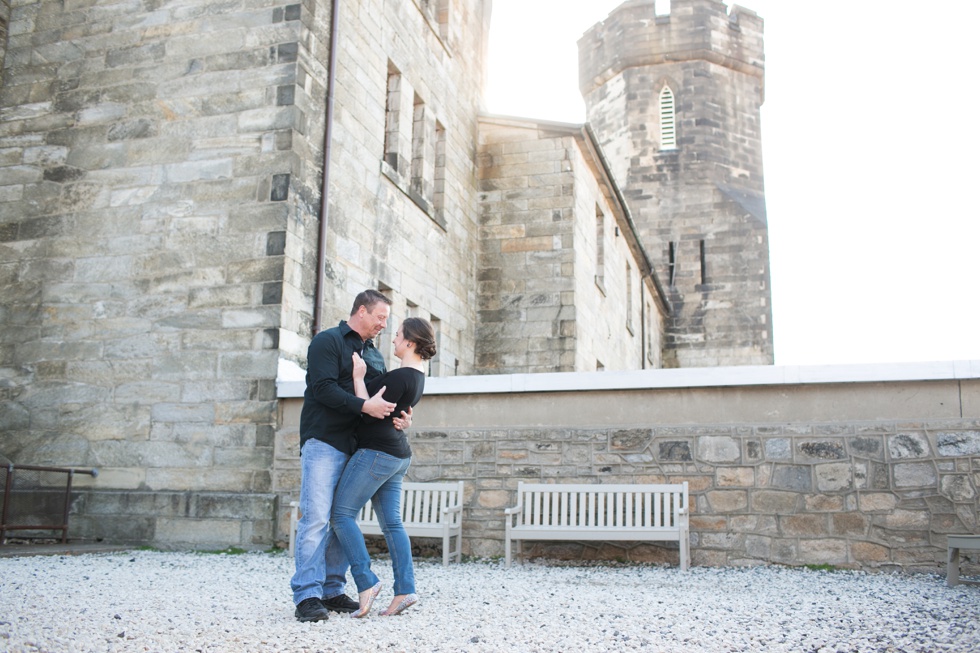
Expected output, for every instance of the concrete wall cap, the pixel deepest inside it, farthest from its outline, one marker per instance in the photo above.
(292, 382)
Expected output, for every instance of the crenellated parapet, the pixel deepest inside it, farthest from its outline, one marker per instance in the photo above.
(695, 30)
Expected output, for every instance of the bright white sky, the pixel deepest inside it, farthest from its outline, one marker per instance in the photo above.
(871, 134)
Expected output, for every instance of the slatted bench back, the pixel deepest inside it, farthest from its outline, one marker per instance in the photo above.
(586, 507)
(422, 504)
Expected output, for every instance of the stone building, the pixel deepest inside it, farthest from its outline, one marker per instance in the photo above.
(675, 101)
(190, 190)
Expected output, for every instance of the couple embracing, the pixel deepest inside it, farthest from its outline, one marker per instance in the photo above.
(353, 449)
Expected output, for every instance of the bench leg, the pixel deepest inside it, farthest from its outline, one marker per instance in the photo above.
(293, 521)
(953, 568)
(507, 552)
(685, 552)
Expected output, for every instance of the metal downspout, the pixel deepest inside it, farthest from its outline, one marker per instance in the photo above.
(321, 256)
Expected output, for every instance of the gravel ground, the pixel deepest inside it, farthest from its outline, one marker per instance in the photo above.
(159, 602)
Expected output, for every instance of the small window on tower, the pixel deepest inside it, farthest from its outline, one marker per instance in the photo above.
(668, 133)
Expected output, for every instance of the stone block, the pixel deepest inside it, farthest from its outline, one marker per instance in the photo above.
(958, 487)
(758, 547)
(138, 503)
(803, 525)
(674, 450)
(958, 443)
(758, 524)
(869, 552)
(735, 477)
(495, 499)
(915, 475)
(820, 450)
(868, 446)
(700, 523)
(778, 449)
(911, 520)
(848, 524)
(877, 501)
(834, 477)
(823, 551)
(231, 505)
(725, 501)
(791, 477)
(774, 502)
(718, 449)
(823, 503)
(908, 445)
(210, 533)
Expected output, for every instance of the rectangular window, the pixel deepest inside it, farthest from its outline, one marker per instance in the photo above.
(439, 189)
(383, 341)
(418, 147)
(434, 363)
(629, 298)
(600, 249)
(650, 325)
(437, 13)
(392, 117)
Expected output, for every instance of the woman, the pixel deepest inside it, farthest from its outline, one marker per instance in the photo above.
(377, 468)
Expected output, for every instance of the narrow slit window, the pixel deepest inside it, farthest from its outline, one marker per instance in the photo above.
(668, 123)
(600, 247)
(418, 148)
(439, 190)
(704, 270)
(629, 297)
(671, 262)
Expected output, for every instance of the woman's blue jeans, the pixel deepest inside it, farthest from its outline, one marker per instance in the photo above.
(376, 476)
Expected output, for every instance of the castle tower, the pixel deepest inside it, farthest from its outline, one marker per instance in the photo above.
(675, 103)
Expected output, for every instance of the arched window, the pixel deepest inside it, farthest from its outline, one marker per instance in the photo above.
(668, 133)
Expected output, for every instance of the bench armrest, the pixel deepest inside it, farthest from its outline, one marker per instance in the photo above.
(512, 511)
(449, 509)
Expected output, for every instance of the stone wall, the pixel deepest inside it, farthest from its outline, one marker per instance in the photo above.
(852, 468)
(403, 205)
(152, 158)
(564, 285)
(161, 178)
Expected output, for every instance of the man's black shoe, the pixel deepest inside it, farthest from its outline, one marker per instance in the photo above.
(340, 603)
(311, 610)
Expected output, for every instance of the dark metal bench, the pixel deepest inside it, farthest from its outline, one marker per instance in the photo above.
(36, 498)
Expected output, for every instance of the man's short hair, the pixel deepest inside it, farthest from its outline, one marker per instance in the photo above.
(368, 298)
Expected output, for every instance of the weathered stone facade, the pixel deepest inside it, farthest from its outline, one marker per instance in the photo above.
(864, 474)
(675, 102)
(170, 175)
(564, 284)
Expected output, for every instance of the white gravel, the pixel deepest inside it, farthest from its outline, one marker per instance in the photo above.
(159, 602)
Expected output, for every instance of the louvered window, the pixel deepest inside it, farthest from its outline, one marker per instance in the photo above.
(668, 133)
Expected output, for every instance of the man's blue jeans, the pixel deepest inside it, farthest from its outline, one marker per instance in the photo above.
(376, 476)
(321, 566)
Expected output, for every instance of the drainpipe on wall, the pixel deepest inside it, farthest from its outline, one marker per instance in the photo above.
(321, 256)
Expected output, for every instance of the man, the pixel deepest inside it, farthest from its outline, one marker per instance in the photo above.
(326, 427)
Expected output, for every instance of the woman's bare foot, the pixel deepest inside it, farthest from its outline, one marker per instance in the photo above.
(399, 604)
(366, 600)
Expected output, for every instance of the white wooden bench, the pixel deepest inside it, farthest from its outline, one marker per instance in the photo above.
(428, 510)
(954, 543)
(575, 512)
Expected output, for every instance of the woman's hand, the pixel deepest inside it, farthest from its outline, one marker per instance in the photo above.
(360, 367)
